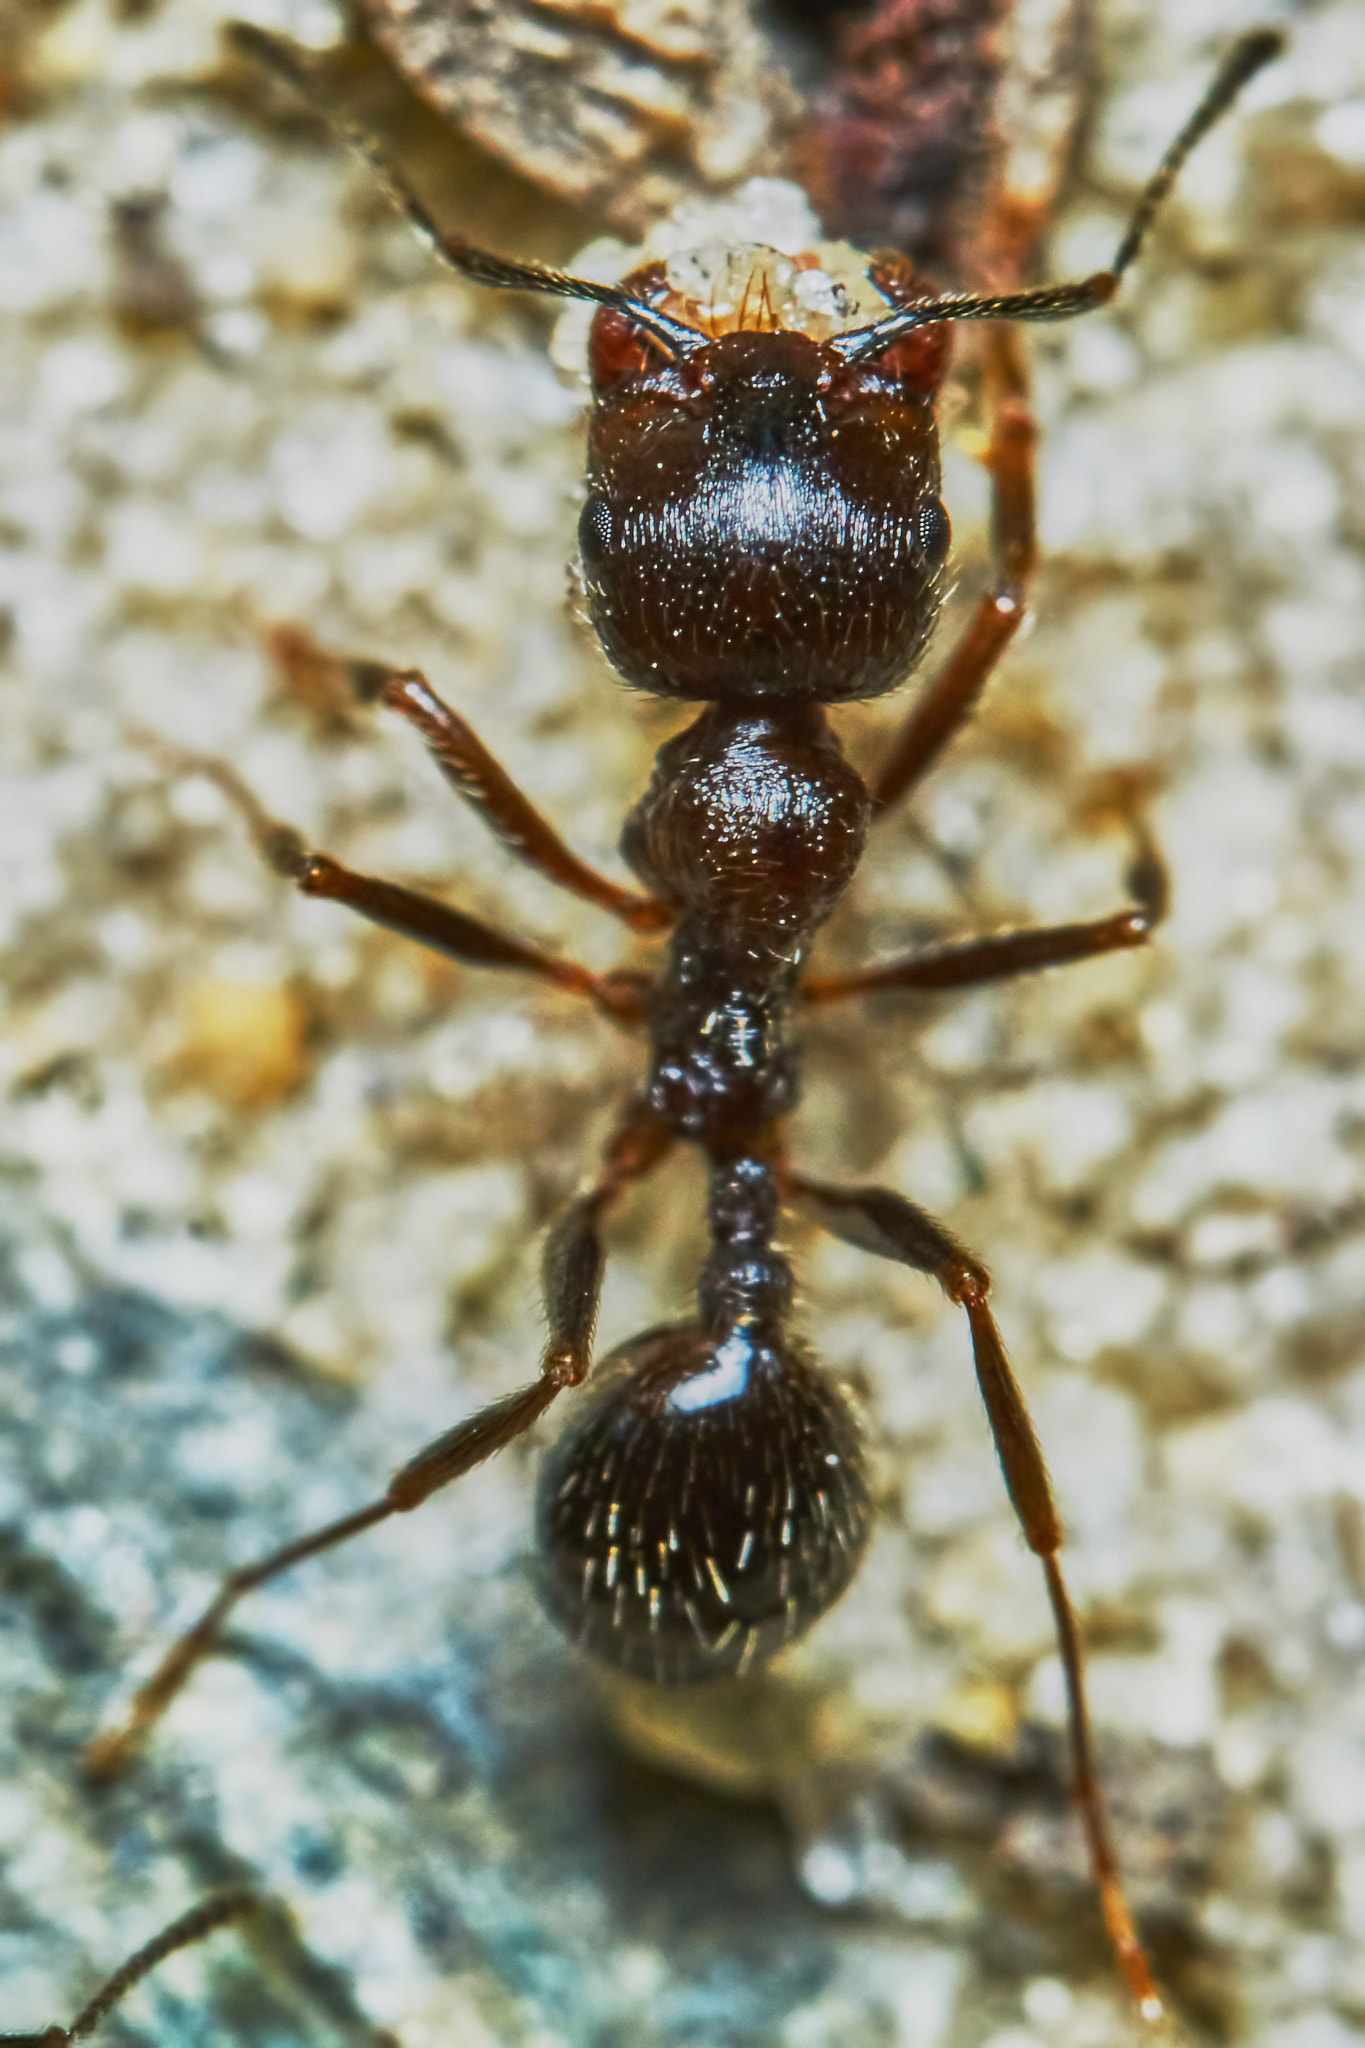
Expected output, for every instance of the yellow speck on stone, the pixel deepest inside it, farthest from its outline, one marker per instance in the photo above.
(983, 1715)
(76, 47)
(243, 1042)
(974, 443)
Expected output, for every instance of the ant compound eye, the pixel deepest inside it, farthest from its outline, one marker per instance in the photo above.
(935, 532)
(707, 1505)
(595, 530)
(617, 348)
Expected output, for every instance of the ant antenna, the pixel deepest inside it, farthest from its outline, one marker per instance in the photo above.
(191, 1927)
(1063, 301)
(673, 337)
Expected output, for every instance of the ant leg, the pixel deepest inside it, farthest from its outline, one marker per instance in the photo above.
(472, 772)
(196, 1925)
(949, 699)
(1248, 55)
(620, 996)
(884, 1223)
(463, 938)
(1007, 953)
(571, 1277)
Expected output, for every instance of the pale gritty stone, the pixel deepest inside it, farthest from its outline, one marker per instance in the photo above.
(242, 1289)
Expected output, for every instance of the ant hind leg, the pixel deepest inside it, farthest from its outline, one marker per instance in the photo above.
(879, 1221)
(571, 1269)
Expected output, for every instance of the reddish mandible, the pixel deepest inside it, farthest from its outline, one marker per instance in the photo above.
(762, 533)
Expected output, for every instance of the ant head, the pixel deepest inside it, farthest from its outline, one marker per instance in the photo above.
(705, 1507)
(763, 517)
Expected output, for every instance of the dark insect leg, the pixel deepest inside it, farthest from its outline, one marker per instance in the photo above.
(436, 925)
(196, 1925)
(949, 699)
(470, 769)
(1007, 953)
(571, 1272)
(878, 1221)
(1248, 55)
(464, 938)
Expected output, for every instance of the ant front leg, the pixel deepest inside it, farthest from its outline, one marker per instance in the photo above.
(571, 1273)
(473, 773)
(997, 958)
(879, 1221)
(949, 699)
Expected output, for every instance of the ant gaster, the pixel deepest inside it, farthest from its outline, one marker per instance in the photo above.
(763, 533)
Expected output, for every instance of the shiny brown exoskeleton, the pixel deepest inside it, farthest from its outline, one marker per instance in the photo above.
(762, 534)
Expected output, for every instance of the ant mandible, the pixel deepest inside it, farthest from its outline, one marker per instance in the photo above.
(763, 533)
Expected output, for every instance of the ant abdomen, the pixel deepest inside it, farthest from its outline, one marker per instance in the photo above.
(706, 1506)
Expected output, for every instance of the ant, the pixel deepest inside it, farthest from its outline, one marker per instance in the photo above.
(762, 533)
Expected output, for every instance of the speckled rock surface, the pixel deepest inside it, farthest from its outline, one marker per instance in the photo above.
(273, 1181)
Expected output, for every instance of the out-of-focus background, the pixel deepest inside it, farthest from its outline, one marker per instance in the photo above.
(272, 1181)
